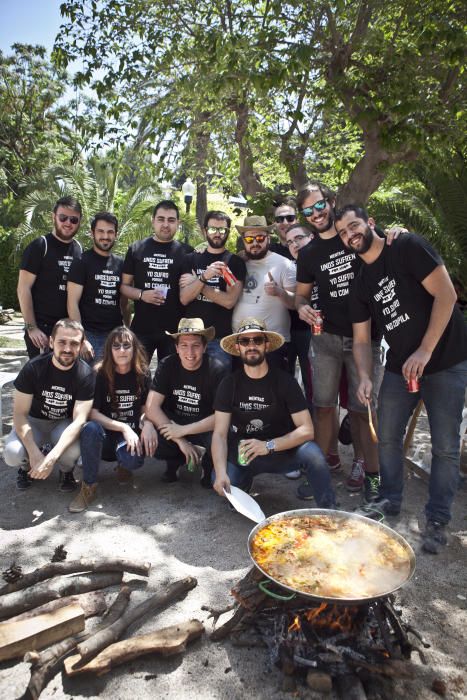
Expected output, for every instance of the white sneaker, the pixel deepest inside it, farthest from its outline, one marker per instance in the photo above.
(296, 474)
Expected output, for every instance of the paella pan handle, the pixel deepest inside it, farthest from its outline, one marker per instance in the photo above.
(263, 586)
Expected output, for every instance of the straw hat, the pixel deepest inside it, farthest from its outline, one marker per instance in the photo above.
(250, 325)
(255, 224)
(193, 326)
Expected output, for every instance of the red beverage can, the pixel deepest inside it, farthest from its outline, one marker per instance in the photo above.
(317, 328)
(413, 385)
(228, 276)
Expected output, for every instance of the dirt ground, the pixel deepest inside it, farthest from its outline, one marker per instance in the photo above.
(184, 530)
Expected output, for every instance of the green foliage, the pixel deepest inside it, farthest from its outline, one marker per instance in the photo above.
(9, 276)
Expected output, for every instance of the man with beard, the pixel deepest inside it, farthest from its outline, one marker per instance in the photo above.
(43, 274)
(407, 290)
(203, 289)
(285, 215)
(151, 273)
(262, 423)
(328, 263)
(269, 290)
(53, 398)
(93, 287)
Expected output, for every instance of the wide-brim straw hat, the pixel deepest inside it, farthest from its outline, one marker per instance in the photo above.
(193, 326)
(255, 224)
(250, 325)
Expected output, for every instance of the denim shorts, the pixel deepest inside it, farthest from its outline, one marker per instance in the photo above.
(330, 353)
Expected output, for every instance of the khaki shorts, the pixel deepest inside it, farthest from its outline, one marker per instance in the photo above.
(329, 353)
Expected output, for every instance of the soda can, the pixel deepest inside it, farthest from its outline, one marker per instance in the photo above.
(229, 277)
(191, 465)
(413, 385)
(241, 457)
(317, 328)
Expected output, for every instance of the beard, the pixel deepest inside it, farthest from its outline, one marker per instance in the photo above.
(365, 242)
(253, 360)
(259, 255)
(322, 228)
(105, 247)
(67, 361)
(216, 244)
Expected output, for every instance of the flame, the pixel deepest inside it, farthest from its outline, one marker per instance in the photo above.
(296, 625)
(333, 618)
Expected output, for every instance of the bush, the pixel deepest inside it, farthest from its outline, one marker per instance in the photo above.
(9, 276)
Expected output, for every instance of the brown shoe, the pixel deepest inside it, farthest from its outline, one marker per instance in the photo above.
(124, 476)
(87, 495)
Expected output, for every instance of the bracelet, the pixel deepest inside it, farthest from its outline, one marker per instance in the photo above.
(29, 326)
(202, 278)
(140, 295)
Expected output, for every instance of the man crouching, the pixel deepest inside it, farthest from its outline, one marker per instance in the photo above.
(262, 423)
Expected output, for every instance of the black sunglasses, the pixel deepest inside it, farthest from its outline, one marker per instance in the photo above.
(290, 218)
(72, 219)
(256, 340)
(318, 206)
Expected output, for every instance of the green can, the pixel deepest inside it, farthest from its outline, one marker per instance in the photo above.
(241, 458)
(191, 465)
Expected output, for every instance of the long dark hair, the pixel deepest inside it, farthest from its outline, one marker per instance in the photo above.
(139, 363)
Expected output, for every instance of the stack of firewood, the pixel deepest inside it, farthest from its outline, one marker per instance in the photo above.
(46, 610)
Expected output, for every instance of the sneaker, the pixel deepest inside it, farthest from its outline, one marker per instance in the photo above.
(370, 488)
(87, 495)
(295, 474)
(377, 509)
(434, 537)
(67, 482)
(305, 492)
(170, 475)
(334, 462)
(23, 480)
(357, 476)
(124, 476)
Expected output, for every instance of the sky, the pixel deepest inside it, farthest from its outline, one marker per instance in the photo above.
(28, 22)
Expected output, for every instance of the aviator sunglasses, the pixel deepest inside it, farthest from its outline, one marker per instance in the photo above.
(72, 219)
(290, 218)
(252, 239)
(221, 230)
(256, 340)
(318, 206)
(122, 346)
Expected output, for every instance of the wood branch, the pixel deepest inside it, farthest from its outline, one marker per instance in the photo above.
(72, 567)
(215, 613)
(92, 646)
(92, 604)
(224, 630)
(49, 662)
(14, 603)
(167, 641)
(17, 638)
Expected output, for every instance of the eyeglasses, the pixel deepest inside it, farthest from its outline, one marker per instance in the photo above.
(256, 340)
(122, 346)
(251, 239)
(221, 230)
(295, 241)
(290, 218)
(72, 219)
(318, 206)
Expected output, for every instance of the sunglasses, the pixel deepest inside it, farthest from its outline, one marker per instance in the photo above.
(251, 239)
(122, 346)
(72, 219)
(256, 340)
(317, 206)
(295, 241)
(290, 218)
(221, 230)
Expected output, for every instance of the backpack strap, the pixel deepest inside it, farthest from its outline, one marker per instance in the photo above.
(45, 246)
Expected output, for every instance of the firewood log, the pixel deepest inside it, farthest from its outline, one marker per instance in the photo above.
(92, 603)
(167, 641)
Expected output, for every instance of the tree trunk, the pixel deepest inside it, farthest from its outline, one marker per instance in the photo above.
(294, 161)
(249, 180)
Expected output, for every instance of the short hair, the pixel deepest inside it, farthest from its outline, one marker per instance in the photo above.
(204, 340)
(104, 216)
(67, 323)
(305, 227)
(285, 202)
(70, 203)
(166, 204)
(215, 214)
(359, 211)
(314, 186)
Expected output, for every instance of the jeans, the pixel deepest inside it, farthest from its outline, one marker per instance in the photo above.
(443, 396)
(214, 350)
(308, 457)
(161, 342)
(97, 341)
(169, 451)
(97, 443)
(44, 431)
(30, 347)
(299, 347)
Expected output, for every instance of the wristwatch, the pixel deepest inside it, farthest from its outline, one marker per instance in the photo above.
(29, 326)
(270, 446)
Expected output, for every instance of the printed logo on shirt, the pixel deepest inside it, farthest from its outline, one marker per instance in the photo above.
(188, 399)
(65, 264)
(339, 268)
(255, 426)
(55, 404)
(387, 299)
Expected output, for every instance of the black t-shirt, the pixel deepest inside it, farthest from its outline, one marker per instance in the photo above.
(260, 408)
(189, 395)
(328, 263)
(100, 276)
(50, 260)
(213, 314)
(128, 405)
(153, 265)
(390, 291)
(277, 247)
(54, 390)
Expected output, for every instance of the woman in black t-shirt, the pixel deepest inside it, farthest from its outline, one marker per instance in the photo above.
(117, 429)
